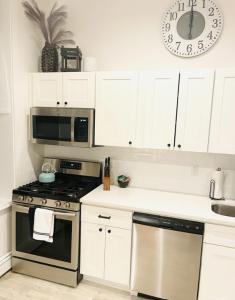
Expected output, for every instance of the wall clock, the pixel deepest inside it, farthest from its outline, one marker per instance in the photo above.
(191, 27)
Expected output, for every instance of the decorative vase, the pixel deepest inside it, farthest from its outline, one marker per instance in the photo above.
(50, 58)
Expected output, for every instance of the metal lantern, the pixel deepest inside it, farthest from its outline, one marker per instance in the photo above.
(71, 59)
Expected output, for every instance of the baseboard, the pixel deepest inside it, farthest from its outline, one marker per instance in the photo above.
(5, 264)
(107, 283)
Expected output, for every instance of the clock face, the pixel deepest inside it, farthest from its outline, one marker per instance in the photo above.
(191, 27)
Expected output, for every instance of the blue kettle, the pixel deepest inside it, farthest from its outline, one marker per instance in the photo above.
(48, 173)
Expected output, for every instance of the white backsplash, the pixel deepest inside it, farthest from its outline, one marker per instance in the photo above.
(174, 171)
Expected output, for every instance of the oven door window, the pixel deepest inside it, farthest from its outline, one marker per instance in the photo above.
(60, 249)
(81, 129)
(52, 128)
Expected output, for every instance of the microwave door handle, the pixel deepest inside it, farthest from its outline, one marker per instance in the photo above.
(72, 129)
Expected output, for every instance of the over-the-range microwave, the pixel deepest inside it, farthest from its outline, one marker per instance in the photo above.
(62, 126)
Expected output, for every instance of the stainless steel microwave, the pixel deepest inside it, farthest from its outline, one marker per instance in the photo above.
(62, 126)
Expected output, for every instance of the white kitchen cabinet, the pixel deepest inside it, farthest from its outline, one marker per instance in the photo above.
(106, 250)
(64, 90)
(116, 103)
(194, 110)
(79, 89)
(222, 136)
(156, 113)
(5, 240)
(47, 89)
(92, 249)
(117, 255)
(218, 273)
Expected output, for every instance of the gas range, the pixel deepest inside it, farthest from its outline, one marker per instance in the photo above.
(57, 261)
(73, 180)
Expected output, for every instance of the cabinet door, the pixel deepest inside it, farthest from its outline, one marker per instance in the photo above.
(156, 113)
(222, 137)
(5, 238)
(218, 273)
(92, 250)
(117, 255)
(194, 110)
(47, 89)
(116, 101)
(79, 90)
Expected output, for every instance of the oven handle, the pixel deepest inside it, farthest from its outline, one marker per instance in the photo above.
(56, 213)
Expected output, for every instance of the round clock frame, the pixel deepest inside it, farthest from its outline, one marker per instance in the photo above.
(191, 27)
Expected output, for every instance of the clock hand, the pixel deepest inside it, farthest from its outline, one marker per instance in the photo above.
(191, 23)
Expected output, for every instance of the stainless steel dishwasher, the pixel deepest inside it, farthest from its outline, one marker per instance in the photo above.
(166, 257)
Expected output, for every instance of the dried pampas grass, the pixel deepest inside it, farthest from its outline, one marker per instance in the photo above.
(51, 27)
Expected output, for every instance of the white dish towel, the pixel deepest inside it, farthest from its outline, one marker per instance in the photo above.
(43, 229)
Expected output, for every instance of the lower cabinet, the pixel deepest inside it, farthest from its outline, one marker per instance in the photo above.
(105, 253)
(218, 264)
(92, 249)
(5, 240)
(106, 249)
(117, 255)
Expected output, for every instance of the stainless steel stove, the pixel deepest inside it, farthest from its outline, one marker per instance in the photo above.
(59, 261)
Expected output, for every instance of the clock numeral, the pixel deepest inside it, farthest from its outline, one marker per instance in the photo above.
(181, 7)
(210, 35)
(170, 38)
(189, 48)
(211, 12)
(173, 16)
(200, 45)
(215, 23)
(178, 45)
(203, 3)
(192, 3)
(168, 27)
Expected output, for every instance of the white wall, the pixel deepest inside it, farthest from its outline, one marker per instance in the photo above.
(26, 50)
(6, 129)
(125, 34)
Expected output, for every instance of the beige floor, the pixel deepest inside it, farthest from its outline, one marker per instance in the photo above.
(19, 287)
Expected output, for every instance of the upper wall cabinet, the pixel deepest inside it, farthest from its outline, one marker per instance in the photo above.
(64, 90)
(79, 89)
(47, 89)
(194, 110)
(116, 102)
(222, 137)
(156, 113)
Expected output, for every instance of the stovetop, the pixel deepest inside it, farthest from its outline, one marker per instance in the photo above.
(65, 188)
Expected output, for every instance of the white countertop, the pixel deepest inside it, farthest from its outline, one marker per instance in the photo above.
(183, 206)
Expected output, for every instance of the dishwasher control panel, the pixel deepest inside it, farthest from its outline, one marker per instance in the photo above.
(169, 223)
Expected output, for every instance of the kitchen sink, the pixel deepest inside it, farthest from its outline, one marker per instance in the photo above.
(224, 210)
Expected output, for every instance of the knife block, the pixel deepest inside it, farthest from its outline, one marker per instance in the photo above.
(106, 184)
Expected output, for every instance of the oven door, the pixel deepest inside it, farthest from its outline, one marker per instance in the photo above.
(62, 126)
(63, 252)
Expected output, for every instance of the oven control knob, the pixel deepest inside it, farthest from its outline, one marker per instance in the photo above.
(21, 198)
(67, 205)
(58, 204)
(44, 202)
(29, 199)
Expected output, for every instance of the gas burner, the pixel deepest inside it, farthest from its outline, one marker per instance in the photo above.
(74, 181)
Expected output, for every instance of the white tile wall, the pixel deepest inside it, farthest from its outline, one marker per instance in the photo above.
(163, 170)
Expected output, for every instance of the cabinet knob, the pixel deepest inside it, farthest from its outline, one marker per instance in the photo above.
(100, 230)
(58, 103)
(179, 146)
(109, 231)
(130, 143)
(66, 103)
(168, 145)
